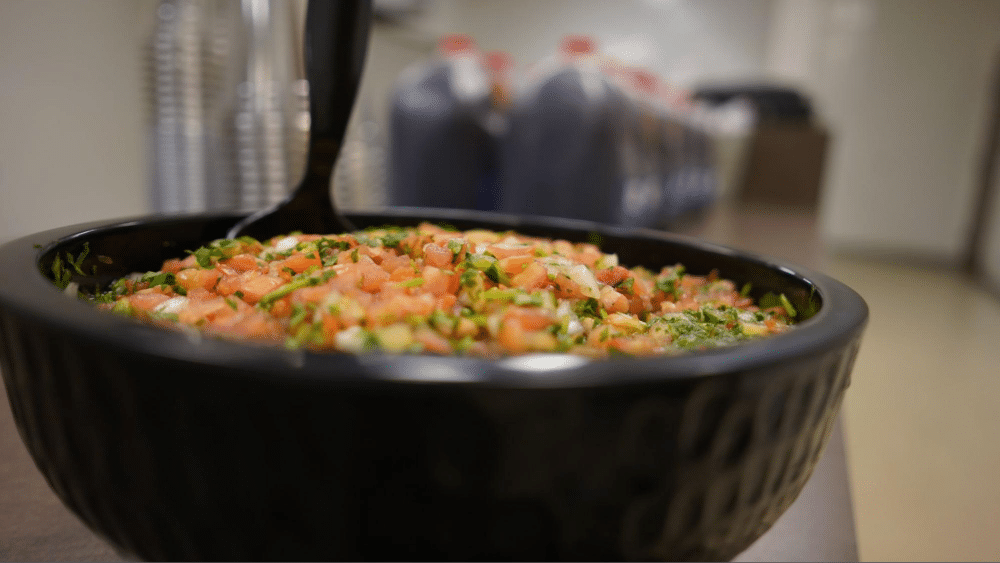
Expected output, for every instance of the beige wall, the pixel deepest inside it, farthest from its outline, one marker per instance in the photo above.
(71, 135)
(903, 85)
(991, 245)
(685, 41)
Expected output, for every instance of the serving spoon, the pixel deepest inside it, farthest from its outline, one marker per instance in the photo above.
(336, 40)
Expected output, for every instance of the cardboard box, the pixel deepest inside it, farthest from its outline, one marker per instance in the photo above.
(785, 163)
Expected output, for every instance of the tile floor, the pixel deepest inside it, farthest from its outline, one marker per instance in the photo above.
(921, 416)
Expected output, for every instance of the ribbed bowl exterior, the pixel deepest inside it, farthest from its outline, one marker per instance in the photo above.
(171, 458)
(176, 462)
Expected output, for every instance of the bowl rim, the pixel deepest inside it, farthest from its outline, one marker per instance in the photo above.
(841, 318)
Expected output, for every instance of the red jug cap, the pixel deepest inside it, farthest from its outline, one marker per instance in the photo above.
(498, 61)
(644, 80)
(456, 43)
(576, 45)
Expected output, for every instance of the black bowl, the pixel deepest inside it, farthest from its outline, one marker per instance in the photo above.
(175, 447)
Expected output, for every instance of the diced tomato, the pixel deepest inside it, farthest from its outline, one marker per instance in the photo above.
(639, 304)
(530, 319)
(432, 341)
(446, 302)
(299, 263)
(371, 276)
(281, 308)
(613, 276)
(310, 294)
(477, 236)
(209, 310)
(257, 326)
(172, 266)
(192, 278)
(147, 299)
(588, 254)
(669, 307)
(436, 282)
(514, 265)
(376, 253)
(199, 294)
(511, 336)
(437, 256)
(390, 263)
(691, 282)
(175, 265)
(566, 288)
(347, 280)
(532, 277)
(241, 262)
(256, 287)
(331, 325)
(503, 251)
(636, 345)
(613, 302)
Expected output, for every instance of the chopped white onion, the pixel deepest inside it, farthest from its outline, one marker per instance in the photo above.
(172, 305)
(350, 340)
(286, 244)
(72, 289)
(585, 278)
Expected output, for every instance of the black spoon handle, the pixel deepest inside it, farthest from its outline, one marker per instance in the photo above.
(336, 43)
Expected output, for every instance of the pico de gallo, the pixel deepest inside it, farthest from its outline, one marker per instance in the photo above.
(434, 290)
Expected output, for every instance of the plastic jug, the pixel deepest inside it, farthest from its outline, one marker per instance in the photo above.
(499, 66)
(642, 194)
(564, 155)
(439, 145)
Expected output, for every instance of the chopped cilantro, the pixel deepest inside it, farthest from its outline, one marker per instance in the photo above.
(787, 305)
(497, 294)
(122, 307)
(61, 274)
(393, 238)
(284, 290)
(299, 314)
(669, 286)
(589, 307)
(158, 278)
(469, 278)
(78, 261)
(463, 344)
(496, 274)
(625, 285)
(370, 341)
(204, 256)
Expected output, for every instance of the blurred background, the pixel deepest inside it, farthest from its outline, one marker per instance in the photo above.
(857, 137)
